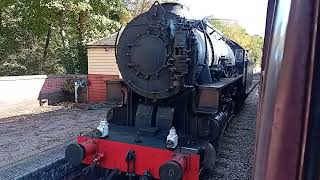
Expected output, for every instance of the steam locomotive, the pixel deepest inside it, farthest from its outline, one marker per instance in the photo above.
(182, 81)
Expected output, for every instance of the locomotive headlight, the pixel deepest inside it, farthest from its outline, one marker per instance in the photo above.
(103, 128)
(172, 139)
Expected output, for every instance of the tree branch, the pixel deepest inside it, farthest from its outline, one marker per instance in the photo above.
(46, 48)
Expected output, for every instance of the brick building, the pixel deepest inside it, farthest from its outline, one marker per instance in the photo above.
(101, 67)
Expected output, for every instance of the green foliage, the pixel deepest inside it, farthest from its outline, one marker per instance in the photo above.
(68, 85)
(252, 43)
(50, 36)
(136, 7)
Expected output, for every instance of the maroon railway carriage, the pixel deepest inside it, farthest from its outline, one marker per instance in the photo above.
(288, 126)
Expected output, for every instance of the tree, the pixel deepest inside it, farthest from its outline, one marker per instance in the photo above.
(24, 29)
(136, 7)
(49, 36)
(232, 30)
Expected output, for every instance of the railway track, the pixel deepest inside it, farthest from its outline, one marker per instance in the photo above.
(234, 161)
(236, 147)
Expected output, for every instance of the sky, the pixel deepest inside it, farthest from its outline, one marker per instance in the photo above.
(250, 14)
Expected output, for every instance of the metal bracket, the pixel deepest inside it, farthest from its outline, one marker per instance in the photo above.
(130, 159)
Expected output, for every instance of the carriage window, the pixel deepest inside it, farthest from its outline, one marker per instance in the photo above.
(239, 54)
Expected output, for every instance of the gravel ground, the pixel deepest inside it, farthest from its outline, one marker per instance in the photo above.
(28, 130)
(10, 110)
(22, 136)
(236, 148)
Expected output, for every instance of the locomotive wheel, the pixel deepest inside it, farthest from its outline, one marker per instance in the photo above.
(239, 101)
(171, 171)
(215, 129)
(209, 156)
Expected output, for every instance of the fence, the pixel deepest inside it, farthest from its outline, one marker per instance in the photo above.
(17, 89)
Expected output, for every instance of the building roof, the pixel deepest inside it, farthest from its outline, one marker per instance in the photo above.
(106, 41)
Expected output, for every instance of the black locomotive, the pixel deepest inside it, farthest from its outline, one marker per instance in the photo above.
(182, 81)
